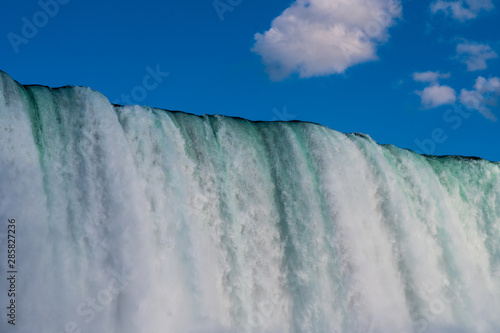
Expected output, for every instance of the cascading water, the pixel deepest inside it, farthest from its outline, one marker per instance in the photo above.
(133, 219)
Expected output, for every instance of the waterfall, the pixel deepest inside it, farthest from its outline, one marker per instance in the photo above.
(136, 219)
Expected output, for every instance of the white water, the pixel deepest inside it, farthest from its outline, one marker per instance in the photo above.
(214, 224)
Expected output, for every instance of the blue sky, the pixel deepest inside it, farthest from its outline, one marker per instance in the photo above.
(420, 74)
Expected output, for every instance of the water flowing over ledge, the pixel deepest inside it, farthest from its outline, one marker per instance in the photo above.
(134, 219)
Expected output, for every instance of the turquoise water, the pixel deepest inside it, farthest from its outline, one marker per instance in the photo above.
(134, 219)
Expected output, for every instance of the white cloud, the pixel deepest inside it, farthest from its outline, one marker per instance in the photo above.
(474, 55)
(323, 37)
(484, 95)
(462, 10)
(429, 77)
(437, 95)
(491, 85)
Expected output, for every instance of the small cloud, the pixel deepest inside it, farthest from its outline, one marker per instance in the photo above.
(462, 10)
(484, 96)
(324, 37)
(484, 86)
(474, 55)
(429, 77)
(436, 95)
